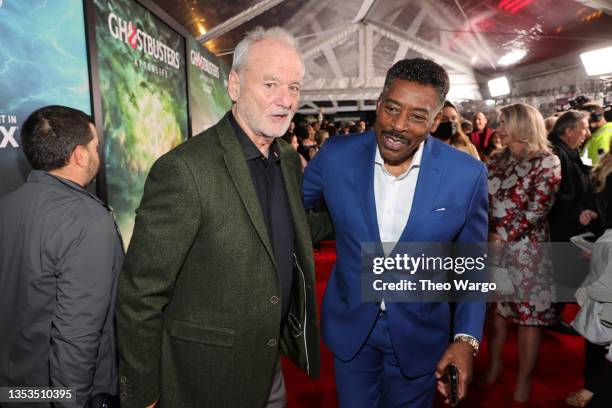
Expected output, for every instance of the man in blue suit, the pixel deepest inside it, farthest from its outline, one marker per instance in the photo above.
(398, 184)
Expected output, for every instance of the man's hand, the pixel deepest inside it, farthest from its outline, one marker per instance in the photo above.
(587, 216)
(153, 404)
(461, 355)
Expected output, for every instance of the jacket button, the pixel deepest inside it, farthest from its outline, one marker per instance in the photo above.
(272, 342)
(274, 300)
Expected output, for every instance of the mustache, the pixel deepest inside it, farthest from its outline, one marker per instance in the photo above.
(396, 136)
(282, 112)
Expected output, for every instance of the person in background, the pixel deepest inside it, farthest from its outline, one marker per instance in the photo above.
(523, 180)
(321, 116)
(449, 130)
(570, 131)
(601, 134)
(60, 255)
(332, 130)
(549, 122)
(292, 139)
(608, 112)
(481, 136)
(348, 125)
(493, 147)
(467, 127)
(571, 204)
(362, 126)
(354, 129)
(306, 138)
(321, 136)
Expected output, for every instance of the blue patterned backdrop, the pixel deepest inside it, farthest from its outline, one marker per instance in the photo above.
(43, 61)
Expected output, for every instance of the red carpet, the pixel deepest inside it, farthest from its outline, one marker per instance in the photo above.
(559, 370)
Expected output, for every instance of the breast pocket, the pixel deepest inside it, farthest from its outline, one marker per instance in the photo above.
(446, 212)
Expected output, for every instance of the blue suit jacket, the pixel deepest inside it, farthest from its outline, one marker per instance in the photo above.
(342, 174)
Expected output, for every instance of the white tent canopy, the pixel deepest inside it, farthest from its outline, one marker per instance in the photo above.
(348, 45)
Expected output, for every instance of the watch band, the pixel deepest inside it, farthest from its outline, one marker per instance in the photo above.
(469, 340)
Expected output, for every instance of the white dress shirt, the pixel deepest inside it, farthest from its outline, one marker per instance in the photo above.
(394, 196)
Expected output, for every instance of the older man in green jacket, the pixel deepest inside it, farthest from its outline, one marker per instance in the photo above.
(219, 276)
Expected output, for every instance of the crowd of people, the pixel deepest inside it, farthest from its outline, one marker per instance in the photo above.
(547, 183)
(219, 278)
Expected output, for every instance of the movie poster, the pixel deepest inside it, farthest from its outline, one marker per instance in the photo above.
(43, 61)
(144, 98)
(208, 98)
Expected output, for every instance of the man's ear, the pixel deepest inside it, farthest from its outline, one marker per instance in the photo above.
(79, 156)
(233, 85)
(436, 122)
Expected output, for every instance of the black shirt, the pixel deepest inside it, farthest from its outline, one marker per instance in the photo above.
(267, 178)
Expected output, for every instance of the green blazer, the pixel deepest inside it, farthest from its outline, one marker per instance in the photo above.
(198, 316)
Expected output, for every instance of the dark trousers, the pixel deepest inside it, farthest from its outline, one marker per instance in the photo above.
(373, 378)
(597, 375)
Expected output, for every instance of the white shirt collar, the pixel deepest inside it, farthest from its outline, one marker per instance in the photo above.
(416, 159)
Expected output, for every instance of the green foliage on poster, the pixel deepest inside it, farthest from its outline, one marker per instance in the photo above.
(144, 99)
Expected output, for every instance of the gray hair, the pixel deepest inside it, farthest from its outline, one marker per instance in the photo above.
(257, 34)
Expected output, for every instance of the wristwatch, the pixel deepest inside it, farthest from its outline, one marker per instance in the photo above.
(469, 340)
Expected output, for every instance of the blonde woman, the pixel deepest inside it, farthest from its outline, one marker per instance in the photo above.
(524, 178)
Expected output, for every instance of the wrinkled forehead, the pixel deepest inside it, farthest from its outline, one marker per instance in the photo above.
(269, 54)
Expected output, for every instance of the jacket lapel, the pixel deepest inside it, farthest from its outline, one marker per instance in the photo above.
(425, 192)
(241, 177)
(364, 178)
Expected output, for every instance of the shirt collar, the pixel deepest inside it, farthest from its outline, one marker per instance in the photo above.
(41, 176)
(249, 149)
(416, 159)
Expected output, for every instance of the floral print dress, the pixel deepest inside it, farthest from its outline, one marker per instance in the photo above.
(521, 193)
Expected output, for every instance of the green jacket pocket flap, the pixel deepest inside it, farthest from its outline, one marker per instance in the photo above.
(188, 331)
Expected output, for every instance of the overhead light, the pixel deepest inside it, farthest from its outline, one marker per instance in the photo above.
(499, 86)
(489, 102)
(597, 62)
(201, 29)
(512, 57)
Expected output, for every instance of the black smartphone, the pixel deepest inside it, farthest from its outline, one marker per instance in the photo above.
(453, 385)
